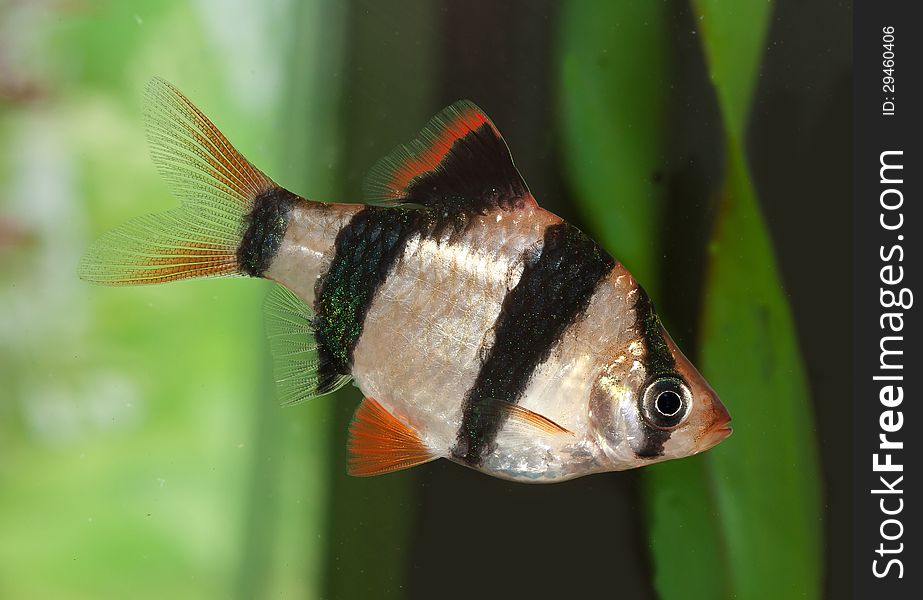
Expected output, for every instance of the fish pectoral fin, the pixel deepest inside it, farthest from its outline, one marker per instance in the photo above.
(297, 366)
(458, 163)
(381, 443)
(529, 421)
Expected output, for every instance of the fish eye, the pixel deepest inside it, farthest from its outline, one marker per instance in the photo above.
(666, 402)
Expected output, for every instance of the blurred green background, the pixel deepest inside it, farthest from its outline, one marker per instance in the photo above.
(142, 453)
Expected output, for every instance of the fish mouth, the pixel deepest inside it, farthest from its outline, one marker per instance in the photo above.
(718, 431)
(712, 436)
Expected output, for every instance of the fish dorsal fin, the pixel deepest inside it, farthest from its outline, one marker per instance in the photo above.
(294, 350)
(380, 443)
(458, 163)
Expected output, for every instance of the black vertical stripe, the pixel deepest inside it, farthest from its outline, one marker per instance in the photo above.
(365, 251)
(554, 291)
(658, 362)
(264, 228)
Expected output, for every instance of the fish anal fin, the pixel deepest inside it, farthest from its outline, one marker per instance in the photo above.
(380, 443)
(458, 163)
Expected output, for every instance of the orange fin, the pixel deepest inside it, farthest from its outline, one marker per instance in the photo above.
(458, 163)
(380, 443)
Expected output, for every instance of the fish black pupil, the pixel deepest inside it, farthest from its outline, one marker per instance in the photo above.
(668, 403)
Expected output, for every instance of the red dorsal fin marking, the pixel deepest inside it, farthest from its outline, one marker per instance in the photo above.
(458, 163)
(457, 125)
(380, 443)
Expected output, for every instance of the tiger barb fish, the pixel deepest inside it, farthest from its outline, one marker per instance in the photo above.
(480, 327)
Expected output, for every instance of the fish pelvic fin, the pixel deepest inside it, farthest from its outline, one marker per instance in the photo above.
(230, 215)
(380, 443)
(525, 418)
(521, 426)
(301, 373)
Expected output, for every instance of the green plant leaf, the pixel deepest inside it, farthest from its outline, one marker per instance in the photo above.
(766, 476)
(613, 121)
(687, 546)
(613, 108)
(733, 35)
(742, 520)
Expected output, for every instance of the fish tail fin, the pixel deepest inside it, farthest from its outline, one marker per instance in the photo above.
(221, 227)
